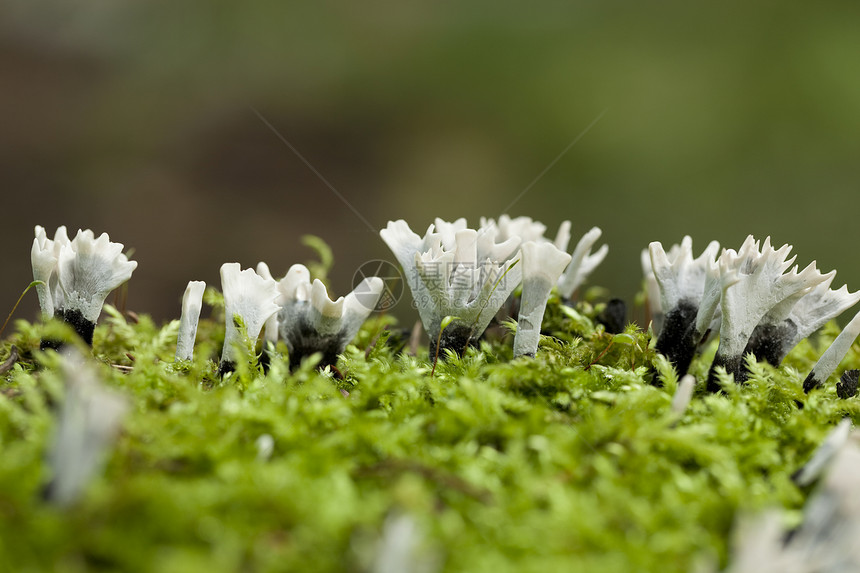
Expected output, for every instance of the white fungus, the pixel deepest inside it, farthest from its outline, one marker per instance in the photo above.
(311, 322)
(542, 264)
(192, 304)
(249, 297)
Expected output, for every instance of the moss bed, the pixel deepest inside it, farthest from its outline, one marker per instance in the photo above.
(571, 461)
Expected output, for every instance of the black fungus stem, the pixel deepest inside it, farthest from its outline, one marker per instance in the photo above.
(678, 340)
(811, 383)
(848, 384)
(769, 342)
(733, 365)
(455, 337)
(81, 325)
(226, 367)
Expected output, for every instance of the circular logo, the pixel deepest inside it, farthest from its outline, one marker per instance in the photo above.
(392, 284)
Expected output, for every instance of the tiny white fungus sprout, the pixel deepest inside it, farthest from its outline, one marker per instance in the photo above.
(402, 548)
(461, 285)
(78, 276)
(192, 304)
(542, 264)
(265, 447)
(683, 394)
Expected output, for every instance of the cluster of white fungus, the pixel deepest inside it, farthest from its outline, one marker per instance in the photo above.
(460, 277)
(293, 309)
(75, 277)
(756, 298)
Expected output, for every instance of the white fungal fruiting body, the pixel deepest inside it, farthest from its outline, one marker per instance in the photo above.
(527, 229)
(310, 321)
(753, 282)
(834, 354)
(89, 420)
(689, 296)
(270, 332)
(44, 257)
(455, 273)
(652, 290)
(248, 296)
(582, 263)
(405, 244)
(78, 275)
(709, 317)
(542, 264)
(795, 318)
(681, 278)
(461, 285)
(192, 304)
(819, 306)
(89, 268)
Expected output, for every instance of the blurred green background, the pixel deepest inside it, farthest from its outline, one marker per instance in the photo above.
(138, 118)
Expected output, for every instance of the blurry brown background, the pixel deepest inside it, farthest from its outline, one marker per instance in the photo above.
(137, 118)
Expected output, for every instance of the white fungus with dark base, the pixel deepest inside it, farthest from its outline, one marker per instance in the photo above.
(753, 282)
(86, 270)
(777, 333)
(455, 273)
(310, 322)
(775, 337)
(689, 296)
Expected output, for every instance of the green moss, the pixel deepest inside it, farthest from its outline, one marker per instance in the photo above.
(569, 461)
